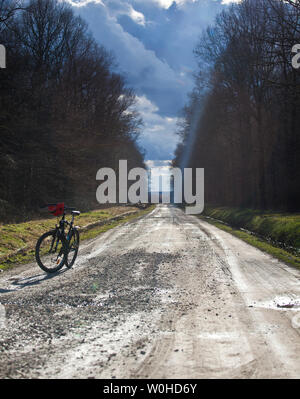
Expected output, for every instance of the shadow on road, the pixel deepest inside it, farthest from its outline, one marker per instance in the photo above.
(24, 282)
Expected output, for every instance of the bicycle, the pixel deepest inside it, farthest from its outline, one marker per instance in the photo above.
(57, 248)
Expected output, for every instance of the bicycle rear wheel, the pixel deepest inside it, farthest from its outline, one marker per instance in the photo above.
(73, 248)
(49, 252)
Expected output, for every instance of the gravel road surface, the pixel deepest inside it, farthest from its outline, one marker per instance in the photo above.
(164, 296)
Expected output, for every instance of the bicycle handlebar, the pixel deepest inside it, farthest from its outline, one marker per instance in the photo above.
(67, 208)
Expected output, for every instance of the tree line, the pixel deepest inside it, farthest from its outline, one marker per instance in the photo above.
(64, 112)
(242, 120)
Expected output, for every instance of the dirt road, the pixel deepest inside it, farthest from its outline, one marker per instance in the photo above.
(165, 296)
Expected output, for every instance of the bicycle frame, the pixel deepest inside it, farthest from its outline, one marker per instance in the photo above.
(60, 233)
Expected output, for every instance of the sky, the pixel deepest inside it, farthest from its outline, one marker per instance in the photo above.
(159, 176)
(153, 42)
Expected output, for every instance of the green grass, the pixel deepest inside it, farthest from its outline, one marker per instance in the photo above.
(273, 232)
(279, 227)
(14, 237)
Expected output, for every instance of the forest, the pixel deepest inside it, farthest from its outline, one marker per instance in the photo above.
(242, 120)
(64, 111)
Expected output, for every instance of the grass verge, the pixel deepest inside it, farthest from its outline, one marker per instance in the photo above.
(277, 234)
(17, 241)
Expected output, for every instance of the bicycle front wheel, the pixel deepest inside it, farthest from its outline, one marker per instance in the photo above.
(73, 248)
(49, 252)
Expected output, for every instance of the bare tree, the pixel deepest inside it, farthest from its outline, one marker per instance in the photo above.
(64, 113)
(247, 134)
(8, 8)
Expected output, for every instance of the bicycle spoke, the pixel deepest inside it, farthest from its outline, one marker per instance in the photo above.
(50, 252)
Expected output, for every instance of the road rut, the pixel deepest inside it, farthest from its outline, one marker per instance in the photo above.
(163, 296)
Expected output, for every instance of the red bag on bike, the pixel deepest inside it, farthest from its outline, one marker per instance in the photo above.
(58, 209)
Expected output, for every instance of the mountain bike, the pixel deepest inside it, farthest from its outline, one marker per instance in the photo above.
(58, 247)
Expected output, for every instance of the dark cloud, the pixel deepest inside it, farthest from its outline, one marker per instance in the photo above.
(153, 45)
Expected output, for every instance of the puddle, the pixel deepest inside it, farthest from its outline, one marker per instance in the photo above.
(279, 303)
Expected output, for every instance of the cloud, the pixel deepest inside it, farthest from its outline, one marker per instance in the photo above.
(150, 163)
(168, 3)
(83, 3)
(136, 16)
(127, 9)
(145, 71)
(230, 1)
(159, 132)
(153, 44)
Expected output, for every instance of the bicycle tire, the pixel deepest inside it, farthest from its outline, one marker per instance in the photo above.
(75, 249)
(59, 251)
